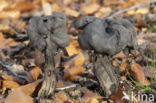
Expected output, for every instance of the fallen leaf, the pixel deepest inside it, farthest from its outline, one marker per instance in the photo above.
(119, 55)
(71, 50)
(123, 67)
(88, 96)
(78, 60)
(93, 100)
(18, 96)
(73, 71)
(33, 74)
(59, 84)
(138, 74)
(9, 84)
(29, 88)
(67, 2)
(47, 9)
(1, 38)
(3, 4)
(9, 14)
(24, 6)
(89, 9)
(117, 97)
(71, 12)
(56, 8)
(60, 97)
(57, 59)
(142, 11)
(12, 78)
(39, 58)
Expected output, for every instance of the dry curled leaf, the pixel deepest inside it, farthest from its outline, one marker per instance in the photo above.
(138, 74)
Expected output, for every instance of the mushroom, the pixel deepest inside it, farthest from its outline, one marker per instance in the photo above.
(106, 37)
(48, 34)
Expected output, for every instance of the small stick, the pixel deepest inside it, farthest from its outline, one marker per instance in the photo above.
(11, 71)
(8, 68)
(66, 87)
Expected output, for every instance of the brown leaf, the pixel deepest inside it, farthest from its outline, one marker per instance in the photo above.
(1, 38)
(123, 67)
(9, 84)
(119, 55)
(29, 88)
(59, 84)
(9, 14)
(11, 78)
(56, 8)
(67, 2)
(71, 12)
(3, 4)
(57, 59)
(117, 97)
(47, 9)
(33, 74)
(71, 50)
(88, 96)
(60, 97)
(89, 9)
(73, 71)
(75, 61)
(24, 6)
(39, 58)
(7, 43)
(138, 74)
(18, 96)
(93, 100)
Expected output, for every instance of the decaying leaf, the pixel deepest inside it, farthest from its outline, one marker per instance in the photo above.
(138, 74)
(89, 9)
(12, 78)
(73, 71)
(90, 97)
(24, 6)
(71, 12)
(123, 67)
(9, 14)
(1, 38)
(18, 96)
(9, 84)
(78, 60)
(29, 88)
(39, 58)
(71, 50)
(60, 97)
(33, 74)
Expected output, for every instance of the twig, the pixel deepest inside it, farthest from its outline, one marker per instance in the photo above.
(66, 87)
(132, 7)
(10, 70)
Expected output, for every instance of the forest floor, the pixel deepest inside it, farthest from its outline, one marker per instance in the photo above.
(20, 73)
